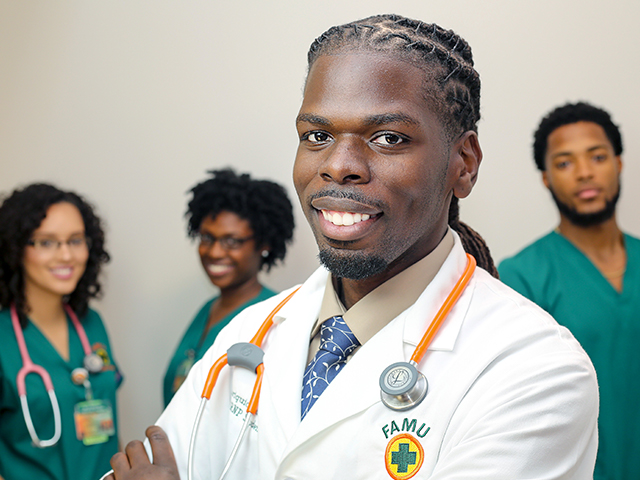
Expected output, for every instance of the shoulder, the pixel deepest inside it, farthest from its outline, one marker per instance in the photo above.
(289, 303)
(511, 326)
(530, 254)
(529, 269)
(631, 241)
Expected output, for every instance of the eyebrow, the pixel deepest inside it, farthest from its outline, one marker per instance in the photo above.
(386, 118)
(313, 119)
(53, 235)
(371, 120)
(590, 149)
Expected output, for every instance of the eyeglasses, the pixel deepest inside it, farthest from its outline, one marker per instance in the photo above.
(227, 243)
(50, 245)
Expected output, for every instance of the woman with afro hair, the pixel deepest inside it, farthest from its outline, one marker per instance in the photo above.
(51, 254)
(242, 226)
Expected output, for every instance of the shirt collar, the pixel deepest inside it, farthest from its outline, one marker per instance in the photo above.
(387, 301)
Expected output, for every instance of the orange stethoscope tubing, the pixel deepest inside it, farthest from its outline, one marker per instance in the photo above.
(212, 378)
(446, 307)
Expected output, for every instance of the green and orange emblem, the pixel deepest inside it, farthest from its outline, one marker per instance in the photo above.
(403, 457)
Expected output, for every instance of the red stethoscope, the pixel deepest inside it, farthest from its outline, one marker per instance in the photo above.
(80, 376)
(402, 385)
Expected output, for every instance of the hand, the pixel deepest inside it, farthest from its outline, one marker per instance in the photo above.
(134, 464)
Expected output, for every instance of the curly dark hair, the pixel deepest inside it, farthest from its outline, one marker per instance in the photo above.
(21, 213)
(264, 204)
(573, 113)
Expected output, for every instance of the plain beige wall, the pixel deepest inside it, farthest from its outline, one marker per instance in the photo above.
(130, 102)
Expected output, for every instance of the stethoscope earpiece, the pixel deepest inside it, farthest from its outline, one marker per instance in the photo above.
(402, 386)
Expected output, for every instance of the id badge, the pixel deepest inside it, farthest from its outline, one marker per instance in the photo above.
(94, 421)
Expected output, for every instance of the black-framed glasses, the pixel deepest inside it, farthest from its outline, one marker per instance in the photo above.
(50, 245)
(228, 243)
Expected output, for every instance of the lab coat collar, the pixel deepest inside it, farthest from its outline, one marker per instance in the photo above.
(421, 313)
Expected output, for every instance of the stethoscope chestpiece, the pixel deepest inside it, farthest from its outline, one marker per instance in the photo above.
(402, 386)
(93, 363)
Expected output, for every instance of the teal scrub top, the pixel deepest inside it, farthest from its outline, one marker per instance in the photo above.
(69, 459)
(190, 350)
(557, 276)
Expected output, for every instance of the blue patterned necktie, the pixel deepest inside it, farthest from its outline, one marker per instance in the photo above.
(337, 342)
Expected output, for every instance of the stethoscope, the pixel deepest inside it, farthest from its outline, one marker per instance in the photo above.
(80, 376)
(402, 386)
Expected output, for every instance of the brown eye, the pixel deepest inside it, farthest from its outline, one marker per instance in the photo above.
(388, 139)
(317, 137)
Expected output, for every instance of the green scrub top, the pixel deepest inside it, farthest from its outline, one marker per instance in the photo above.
(190, 350)
(69, 459)
(557, 276)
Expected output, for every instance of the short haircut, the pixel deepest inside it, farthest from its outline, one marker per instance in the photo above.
(21, 213)
(573, 113)
(264, 204)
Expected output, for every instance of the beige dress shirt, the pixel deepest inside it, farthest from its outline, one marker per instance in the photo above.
(386, 302)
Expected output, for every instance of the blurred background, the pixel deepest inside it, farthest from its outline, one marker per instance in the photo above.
(131, 102)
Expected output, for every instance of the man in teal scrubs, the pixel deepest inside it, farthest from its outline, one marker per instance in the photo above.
(583, 272)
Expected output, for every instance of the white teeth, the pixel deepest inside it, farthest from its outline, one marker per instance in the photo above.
(346, 218)
(62, 270)
(214, 269)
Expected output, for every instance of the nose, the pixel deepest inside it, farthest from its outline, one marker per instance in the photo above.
(584, 168)
(347, 162)
(64, 251)
(214, 251)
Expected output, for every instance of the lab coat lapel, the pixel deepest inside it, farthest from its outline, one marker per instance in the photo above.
(282, 383)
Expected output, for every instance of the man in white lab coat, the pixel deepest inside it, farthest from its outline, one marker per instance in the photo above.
(388, 144)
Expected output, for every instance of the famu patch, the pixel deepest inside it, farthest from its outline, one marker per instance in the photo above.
(403, 457)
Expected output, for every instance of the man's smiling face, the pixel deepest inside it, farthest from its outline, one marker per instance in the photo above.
(373, 170)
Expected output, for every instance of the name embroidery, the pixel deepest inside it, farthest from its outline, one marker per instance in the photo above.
(407, 426)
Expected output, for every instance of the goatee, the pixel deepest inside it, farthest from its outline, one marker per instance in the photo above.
(351, 265)
(587, 219)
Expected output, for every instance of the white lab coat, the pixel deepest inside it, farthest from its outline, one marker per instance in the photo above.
(512, 395)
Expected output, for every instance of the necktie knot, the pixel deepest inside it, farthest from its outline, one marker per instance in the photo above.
(337, 342)
(337, 338)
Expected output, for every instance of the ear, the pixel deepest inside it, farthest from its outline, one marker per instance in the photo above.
(619, 163)
(467, 149)
(545, 179)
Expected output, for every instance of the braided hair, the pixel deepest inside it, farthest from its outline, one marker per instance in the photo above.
(452, 85)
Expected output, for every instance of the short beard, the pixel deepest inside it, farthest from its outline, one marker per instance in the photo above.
(587, 219)
(353, 265)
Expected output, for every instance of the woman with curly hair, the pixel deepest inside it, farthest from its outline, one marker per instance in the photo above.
(243, 226)
(51, 253)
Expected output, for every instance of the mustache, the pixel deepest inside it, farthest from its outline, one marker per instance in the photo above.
(350, 194)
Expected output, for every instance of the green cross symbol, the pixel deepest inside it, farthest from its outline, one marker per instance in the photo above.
(403, 458)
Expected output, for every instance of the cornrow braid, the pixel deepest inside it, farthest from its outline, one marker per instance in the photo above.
(452, 85)
(472, 242)
(445, 57)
